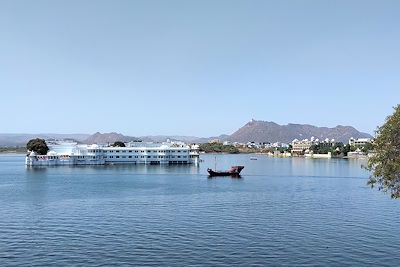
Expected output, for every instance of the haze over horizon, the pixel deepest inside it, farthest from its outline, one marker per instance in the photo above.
(200, 68)
(160, 134)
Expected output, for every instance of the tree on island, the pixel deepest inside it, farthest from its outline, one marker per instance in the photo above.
(37, 145)
(216, 147)
(118, 144)
(385, 161)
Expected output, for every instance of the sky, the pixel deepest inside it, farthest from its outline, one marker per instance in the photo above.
(200, 68)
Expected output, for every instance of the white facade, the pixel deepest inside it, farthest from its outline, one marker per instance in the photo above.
(70, 153)
(303, 146)
(298, 147)
(359, 141)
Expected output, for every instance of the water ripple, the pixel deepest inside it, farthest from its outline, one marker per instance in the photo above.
(133, 216)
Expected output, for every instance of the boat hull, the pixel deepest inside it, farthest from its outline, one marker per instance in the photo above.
(234, 172)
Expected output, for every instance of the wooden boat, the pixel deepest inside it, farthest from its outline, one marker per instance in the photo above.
(234, 171)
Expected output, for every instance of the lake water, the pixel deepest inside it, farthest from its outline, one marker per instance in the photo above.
(282, 212)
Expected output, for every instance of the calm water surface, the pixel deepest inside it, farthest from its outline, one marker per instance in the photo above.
(283, 212)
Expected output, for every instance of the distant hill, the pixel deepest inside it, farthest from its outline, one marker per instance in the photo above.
(104, 138)
(264, 131)
(22, 139)
(163, 138)
(187, 139)
(253, 131)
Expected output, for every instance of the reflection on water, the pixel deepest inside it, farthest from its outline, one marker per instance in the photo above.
(283, 211)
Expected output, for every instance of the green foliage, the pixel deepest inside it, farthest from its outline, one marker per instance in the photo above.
(337, 149)
(321, 148)
(118, 144)
(218, 148)
(346, 149)
(281, 149)
(385, 162)
(314, 148)
(37, 145)
(367, 147)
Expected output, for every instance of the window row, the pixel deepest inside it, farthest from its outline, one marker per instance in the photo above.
(142, 157)
(148, 151)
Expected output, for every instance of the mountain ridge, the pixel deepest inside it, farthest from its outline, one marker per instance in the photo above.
(253, 131)
(20, 139)
(266, 131)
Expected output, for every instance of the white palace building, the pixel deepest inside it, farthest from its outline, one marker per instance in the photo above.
(72, 153)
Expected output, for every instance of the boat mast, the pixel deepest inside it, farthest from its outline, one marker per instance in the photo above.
(215, 163)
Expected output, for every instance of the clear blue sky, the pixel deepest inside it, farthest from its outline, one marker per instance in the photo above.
(198, 68)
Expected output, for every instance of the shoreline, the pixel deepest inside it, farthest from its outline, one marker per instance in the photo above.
(12, 154)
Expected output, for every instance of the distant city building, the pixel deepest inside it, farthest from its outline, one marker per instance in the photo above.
(278, 145)
(359, 141)
(298, 147)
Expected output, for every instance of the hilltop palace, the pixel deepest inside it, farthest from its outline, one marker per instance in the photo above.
(72, 153)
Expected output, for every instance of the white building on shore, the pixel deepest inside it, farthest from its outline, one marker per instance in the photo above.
(300, 146)
(359, 141)
(71, 153)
